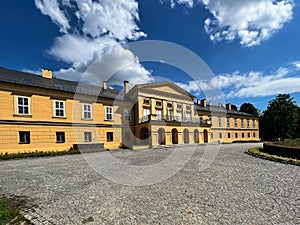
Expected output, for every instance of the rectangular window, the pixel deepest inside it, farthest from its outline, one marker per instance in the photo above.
(146, 111)
(169, 105)
(146, 101)
(60, 137)
(179, 106)
(127, 136)
(158, 114)
(108, 113)
(253, 134)
(158, 103)
(253, 123)
(236, 135)
(201, 119)
(188, 117)
(212, 135)
(242, 123)
(109, 136)
(127, 114)
(248, 135)
(179, 116)
(220, 135)
(235, 122)
(220, 122)
(188, 107)
(228, 135)
(87, 111)
(171, 115)
(59, 108)
(243, 135)
(87, 136)
(23, 105)
(228, 122)
(24, 137)
(248, 123)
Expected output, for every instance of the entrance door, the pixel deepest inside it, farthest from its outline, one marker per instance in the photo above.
(196, 136)
(174, 136)
(205, 133)
(161, 136)
(144, 135)
(186, 136)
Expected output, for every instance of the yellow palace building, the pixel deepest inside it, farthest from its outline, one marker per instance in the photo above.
(43, 113)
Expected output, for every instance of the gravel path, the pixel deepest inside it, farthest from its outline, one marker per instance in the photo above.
(235, 189)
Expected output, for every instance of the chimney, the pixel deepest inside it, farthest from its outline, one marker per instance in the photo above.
(104, 85)
(228, 106)
(126, 86)
(203, 102)
(47, 73)
(198, 102)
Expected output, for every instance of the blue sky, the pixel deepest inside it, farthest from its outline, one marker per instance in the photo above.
(251, 46)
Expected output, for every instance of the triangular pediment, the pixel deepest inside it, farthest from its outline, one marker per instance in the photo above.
(166, 87)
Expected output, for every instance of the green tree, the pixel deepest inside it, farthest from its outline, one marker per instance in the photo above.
(249, 108)
(280, 119)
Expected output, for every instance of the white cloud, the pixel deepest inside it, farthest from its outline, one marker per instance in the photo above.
(51, 8)
(250, 21)
(188, 3)
(97, 28)
(251, 84)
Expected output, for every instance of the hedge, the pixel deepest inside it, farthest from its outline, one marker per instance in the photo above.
(281, 150)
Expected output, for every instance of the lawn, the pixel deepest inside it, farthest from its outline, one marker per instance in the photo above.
(9, 214)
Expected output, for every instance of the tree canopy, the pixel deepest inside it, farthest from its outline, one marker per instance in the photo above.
(249, 108)
(280, 119)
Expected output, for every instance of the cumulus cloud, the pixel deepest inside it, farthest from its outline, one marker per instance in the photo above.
(91, 28)
(251, 84)
(249, 21)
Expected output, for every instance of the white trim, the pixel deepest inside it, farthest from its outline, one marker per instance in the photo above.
(17, 105)
(54, 108)
(109, 113)
(87, 111)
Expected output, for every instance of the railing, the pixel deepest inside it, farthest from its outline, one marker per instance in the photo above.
(168, 118)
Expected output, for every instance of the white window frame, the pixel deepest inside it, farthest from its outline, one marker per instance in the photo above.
(126, 114)
(179, 116)
(159, 114)
(235, 122)
(87, 111)
(54, 108)
(228, 121)
(23, 106)
(109, 110)
(87, 136)
(146, 111)
(58, 136)
(220, 121)
(188, 117)
(26, 137)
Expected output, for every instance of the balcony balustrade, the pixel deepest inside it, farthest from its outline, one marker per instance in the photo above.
(168, 118)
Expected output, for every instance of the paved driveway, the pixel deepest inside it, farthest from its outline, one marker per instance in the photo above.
(235, 189)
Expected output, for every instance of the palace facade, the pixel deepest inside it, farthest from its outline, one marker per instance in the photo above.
(43, 113)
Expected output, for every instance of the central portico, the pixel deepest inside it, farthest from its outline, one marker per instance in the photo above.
(165, 114)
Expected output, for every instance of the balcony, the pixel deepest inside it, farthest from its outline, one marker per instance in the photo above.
(168, 118)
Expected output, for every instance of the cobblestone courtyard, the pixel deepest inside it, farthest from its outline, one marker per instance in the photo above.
(235, 189)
